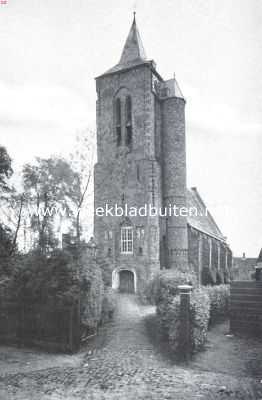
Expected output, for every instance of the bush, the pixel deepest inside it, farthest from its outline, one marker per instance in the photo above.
(219, 297)
(105, 266)
(164, 290)
(91, 295)
(108, 305)
(208, 276)
(46, 280)
(170, 321)
(165, 285)
(199, 315)
(60, 280)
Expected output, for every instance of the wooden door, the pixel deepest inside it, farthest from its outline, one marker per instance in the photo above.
(126, 284)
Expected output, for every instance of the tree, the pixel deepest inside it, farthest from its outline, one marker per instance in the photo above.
(51, 187)
(5, 170)
(6, 192)
(82, 161)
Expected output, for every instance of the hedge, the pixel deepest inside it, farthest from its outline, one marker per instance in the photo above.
(170, 322)
(59, 279)
(165, 284)
(91, 294)
(208, 305)
(219, 297)
(108, 305)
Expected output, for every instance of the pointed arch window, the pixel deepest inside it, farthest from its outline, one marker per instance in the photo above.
(128, 115)
(118, 121)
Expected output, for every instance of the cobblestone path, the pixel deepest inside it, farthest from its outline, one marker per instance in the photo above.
(127, 366)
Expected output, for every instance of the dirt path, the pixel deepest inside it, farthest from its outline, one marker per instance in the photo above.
(126, 366)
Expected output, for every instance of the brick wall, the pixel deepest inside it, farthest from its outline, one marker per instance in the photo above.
(128, 175)
(199, 257)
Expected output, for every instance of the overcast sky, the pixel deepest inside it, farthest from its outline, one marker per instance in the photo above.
(51, 50)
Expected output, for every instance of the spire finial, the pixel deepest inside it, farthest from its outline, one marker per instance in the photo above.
(134, 12)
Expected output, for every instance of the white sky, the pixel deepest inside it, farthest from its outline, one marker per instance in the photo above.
(51, 50)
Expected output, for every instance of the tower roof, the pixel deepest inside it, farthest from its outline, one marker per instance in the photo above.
(133, 52)
(133, 49)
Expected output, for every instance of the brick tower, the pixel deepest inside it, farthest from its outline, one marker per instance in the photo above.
(141, 161)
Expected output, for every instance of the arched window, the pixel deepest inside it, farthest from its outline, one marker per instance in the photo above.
(128, 121)
(118, 121)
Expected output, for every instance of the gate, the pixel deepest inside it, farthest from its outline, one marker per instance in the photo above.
(126, 282)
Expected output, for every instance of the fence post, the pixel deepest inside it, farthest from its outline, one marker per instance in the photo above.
(184, 335)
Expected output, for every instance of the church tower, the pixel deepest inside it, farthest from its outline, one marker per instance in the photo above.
(141, 162)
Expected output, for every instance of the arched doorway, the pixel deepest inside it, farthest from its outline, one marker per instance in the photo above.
(126, 281)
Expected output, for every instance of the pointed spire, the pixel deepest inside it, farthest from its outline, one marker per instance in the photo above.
(133, 52)
(133, 49)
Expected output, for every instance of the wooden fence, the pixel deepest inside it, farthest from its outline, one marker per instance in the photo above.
(246, 307)
(55, 328)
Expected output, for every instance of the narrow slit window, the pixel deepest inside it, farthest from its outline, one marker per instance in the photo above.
(129, 130)
(138, 173)
(118, 121)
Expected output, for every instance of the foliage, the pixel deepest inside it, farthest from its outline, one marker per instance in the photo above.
(5, 170)
(207, 276)
(199, 316)
(219, 297)
(170, 321)
(208, 305)
(105, 267)
(108, 305)
(165, 284)
(62, 280)
(47, 280)
(6, 241)
(91, 292)
(82, 163)
(50, 185)
(164, 290)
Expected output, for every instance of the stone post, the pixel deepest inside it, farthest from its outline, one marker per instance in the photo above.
(184, 335)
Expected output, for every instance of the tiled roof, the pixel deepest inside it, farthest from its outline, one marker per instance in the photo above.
(203, 221)
(173, 87)
(133, 52)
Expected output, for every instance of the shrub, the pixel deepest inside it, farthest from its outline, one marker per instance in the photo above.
(219, 302)
(108, 305)
(199, 315)
(46, 280)
(165, 285)
(91, 295)
(208, 276)
(61, 280)
(105, 266)
(170, 321)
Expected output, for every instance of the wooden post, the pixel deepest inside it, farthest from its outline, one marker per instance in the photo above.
(185, 340)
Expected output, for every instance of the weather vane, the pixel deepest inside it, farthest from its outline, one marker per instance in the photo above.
(134, 8)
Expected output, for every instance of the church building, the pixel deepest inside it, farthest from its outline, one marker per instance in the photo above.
(141, 160)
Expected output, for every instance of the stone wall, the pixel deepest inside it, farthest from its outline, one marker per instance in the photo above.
(174, 179)
(210, 258)
(128, 175)
(151, 170)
